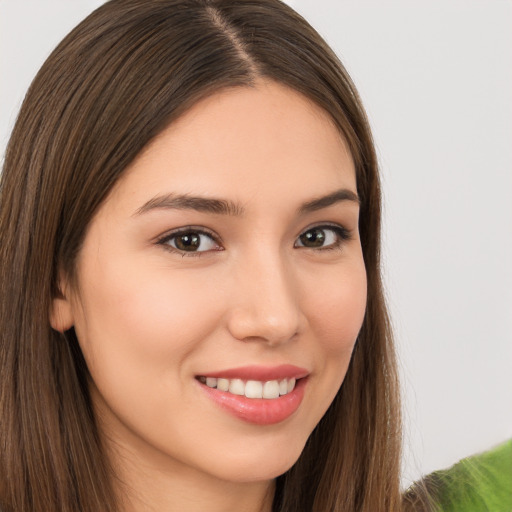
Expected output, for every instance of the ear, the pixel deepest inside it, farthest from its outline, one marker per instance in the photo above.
(61, 311)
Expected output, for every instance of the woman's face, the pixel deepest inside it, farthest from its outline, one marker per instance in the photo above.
(226, 262)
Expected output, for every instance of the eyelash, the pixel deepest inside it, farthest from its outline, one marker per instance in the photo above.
(341, 233)
(164, 241)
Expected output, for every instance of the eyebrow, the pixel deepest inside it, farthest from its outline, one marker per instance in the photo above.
(227, 207)
(338, 196)
(188, 202)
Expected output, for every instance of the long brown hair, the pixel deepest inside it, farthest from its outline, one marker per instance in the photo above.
(116, 81)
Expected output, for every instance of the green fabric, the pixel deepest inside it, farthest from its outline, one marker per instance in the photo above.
(482, 483)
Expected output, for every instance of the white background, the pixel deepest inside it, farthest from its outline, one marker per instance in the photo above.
(436, 78)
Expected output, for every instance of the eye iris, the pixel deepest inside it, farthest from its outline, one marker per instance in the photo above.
(313, 238)
(188, 242)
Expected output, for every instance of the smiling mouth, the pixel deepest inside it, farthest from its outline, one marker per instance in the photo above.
(257, 394)
(269, 390)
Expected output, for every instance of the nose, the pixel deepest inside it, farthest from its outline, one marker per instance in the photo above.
(266, 305)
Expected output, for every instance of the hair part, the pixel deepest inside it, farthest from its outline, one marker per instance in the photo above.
(113, 84)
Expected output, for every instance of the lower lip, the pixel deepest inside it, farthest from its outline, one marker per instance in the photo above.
(260, 411)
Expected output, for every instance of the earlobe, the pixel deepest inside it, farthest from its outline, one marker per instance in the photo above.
(61, 312)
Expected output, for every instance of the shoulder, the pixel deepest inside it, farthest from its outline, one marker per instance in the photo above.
(481, 483)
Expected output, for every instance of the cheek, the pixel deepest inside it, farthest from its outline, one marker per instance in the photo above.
(135, 322)
(137, 330)
(336, 302)
(337, 312)
(338, 307)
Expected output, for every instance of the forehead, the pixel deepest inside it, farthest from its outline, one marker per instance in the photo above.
(243, 142)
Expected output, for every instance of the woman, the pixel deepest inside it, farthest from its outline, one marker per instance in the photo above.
(192, 311)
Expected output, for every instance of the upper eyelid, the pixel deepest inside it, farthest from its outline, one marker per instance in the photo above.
(188, 229)
(163, 240)
(326, 225)
(342, 233)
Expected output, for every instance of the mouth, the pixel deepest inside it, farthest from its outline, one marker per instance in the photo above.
(268, 390)
(257, 395)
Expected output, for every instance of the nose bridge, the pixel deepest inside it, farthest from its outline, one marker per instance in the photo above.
(266, 304)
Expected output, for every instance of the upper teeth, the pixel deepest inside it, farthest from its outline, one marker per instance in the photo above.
(251, 388)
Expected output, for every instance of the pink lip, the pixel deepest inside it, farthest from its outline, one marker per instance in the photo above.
(261, 373)
(259, 411)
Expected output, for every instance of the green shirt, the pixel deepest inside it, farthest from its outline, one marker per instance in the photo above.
(482, 483)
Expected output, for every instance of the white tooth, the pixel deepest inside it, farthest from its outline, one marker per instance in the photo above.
(223, 384)
(271, 389)
(291, 385)
(283, 387)
(211, 382)
(253, 389)
(237, 387)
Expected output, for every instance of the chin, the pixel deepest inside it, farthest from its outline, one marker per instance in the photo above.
(259, 465)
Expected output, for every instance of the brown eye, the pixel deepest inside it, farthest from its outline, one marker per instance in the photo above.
(191, 241)
(188, 242)
(313, 238)
(322, 237)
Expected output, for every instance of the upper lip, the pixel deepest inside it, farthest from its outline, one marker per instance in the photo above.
(261, 373)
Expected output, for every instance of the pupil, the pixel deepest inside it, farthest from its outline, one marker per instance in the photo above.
(188, 242)
(313, 238)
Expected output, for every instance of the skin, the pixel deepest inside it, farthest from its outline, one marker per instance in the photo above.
(150, 318)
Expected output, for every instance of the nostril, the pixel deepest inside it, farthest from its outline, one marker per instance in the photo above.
(259, 326)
